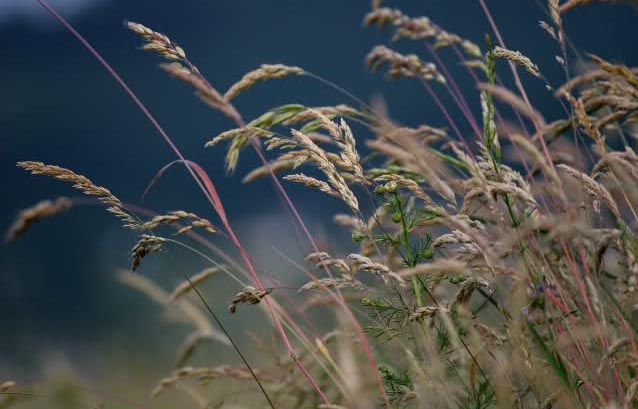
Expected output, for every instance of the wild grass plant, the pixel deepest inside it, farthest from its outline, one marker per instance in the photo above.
(496, 268)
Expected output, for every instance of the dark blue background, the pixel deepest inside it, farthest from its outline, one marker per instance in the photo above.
(57, 105)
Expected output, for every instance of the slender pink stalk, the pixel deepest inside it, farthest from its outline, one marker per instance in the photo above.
(455, 92)
(203, 180)
(446, 113)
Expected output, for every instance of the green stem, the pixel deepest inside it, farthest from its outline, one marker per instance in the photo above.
(408, 251)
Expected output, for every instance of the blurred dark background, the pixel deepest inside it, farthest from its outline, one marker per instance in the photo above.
(57, 105)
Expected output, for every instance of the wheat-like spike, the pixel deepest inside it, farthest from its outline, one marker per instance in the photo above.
(489, 334)
(186, 286)
(437, 268)
(349, 153)
(205, 375)
(517, 58)
(246, 132)
(616, 69)
(554, 12)
(312, 182)
(402, 65)
(322, 259)
(548, 29)
(309, 114)
(382, 271)
(265, 72)
(467, 289)
(84, 185)
(594, 189)
(190, 344)
(146, 245)
(418, 28)
(426, 133)
(275, 167)
(157, 42)
(455, 237)
(249, 295)
(27, 217)
(495, 188)
(343, 282)
(583, 119)
(178, 216)
(422, 312)
(335, 179)
(623, 165)
(349, 157)
(182, 69)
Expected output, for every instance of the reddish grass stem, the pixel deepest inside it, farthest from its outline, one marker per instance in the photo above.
(189, 166)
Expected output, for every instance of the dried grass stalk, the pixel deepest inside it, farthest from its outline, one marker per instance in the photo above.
(84, 185)
(186, 286)
(157, 42)
(180, 308)
(249, 295)
(418, 28)
(322, 259)
(594, 189)
(380, 270)
(206, 93)
(517, 58)
(146, 245)
(437, 268)
(178, 216)
(401, 65)
(205, 375)
(312, 182)
(246, 131)
(422, 312)
(187, 349)
(467, 289)
(330, 111)
(27, 217)
(264, 73)
(342, 282)
(335, 178)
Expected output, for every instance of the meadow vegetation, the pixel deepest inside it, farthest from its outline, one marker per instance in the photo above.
(495, 268)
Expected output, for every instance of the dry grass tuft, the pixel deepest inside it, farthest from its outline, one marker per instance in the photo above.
(477, 283)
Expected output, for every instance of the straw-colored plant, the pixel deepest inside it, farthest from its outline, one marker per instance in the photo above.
(483, 279)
